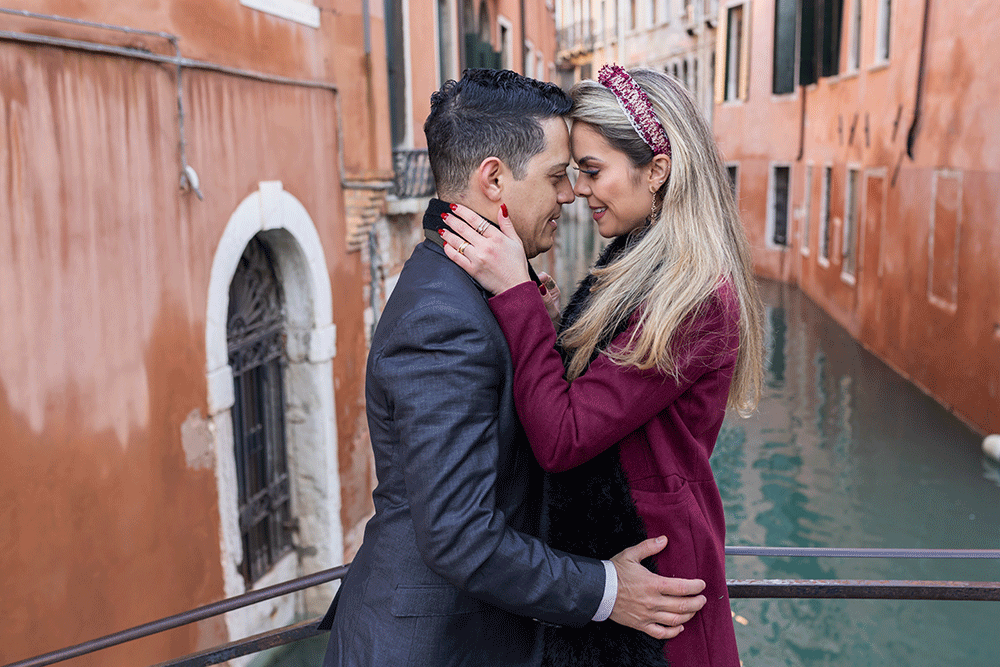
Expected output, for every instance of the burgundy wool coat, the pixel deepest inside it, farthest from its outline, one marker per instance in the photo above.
(665, 429)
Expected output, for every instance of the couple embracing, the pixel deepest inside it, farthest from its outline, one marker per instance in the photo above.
(544, 492)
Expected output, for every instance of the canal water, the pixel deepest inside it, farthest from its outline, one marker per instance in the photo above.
(843, 452)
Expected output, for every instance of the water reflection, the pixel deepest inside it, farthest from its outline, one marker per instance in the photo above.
(845, 453)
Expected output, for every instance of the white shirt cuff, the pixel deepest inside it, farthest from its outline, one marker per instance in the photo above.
(610, 592)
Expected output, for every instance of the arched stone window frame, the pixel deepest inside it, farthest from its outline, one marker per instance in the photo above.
(286, 227)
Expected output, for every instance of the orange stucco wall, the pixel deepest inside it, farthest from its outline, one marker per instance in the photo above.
(861, 120)
(107, 523)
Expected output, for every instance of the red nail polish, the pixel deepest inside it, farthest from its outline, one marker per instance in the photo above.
(454, 207)
(441, 232)
(541, 288)
(444, 216)
(503, 207)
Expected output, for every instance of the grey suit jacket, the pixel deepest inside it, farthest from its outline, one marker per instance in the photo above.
(450, 571)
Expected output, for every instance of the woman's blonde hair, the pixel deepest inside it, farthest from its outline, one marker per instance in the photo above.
(695, 242)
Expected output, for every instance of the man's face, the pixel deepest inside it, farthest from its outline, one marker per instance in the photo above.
(535, 202)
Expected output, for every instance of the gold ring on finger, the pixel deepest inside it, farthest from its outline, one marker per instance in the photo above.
(461, 248)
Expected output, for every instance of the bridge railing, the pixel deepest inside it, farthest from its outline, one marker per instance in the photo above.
(864, 589)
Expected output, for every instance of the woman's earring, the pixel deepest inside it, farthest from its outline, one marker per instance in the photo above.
(654, 209)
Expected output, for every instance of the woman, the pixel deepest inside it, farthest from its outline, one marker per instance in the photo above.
(662, 336)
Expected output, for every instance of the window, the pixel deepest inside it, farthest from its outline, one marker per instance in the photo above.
(602, 23)
(849, 249)
(806, 208)
(300, 11)
(694, 80)
(824, 215)
(831, 19)
(255, 333)
(506, 52)
(734, 180)
(733, 46)
(785, 19)
(819, 40)
(778, 209)
(854, 55)
(944, 234)
(883, 38)
(395, 31)
(633, 14)
(446, 42)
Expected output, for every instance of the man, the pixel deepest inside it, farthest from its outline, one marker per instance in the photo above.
(451, 571)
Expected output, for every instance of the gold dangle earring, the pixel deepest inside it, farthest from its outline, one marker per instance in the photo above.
(654, 208)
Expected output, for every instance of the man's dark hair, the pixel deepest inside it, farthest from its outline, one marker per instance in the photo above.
(488, 113)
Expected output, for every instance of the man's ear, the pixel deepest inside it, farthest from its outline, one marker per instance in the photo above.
(659, 172)
(490, 178)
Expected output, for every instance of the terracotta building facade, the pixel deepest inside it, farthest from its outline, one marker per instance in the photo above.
(203, 206)
(183, 310)
(861, 138)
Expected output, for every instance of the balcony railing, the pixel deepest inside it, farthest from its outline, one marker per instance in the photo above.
(738, 588)
(413, 174)
(578, 36)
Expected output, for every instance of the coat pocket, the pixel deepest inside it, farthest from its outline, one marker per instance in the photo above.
(676, 514)
(432, 600)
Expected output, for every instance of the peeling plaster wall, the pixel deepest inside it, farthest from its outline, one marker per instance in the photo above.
(108, 498)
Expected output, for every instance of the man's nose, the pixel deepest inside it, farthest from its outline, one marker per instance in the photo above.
(565, 195)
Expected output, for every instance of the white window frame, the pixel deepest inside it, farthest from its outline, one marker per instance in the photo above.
(771, 195)
(734, 89)
(854, 43)
(300, 11)
(824, 216)
(852, 214)
(451, 29)
(506, 49)
(883, 34)
(806, 210)
(735, 181)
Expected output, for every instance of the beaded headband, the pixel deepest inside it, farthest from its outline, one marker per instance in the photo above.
(637, 107)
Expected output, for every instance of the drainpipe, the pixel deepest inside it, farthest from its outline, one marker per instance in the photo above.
(367, 19)
(802, 127)
(911, 138)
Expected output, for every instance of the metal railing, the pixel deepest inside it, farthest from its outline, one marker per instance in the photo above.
(414, 177)
(577, 36)
(738, 589)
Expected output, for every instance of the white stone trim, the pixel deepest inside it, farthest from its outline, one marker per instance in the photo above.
(300, 11)
(220, 390)
(300, 264)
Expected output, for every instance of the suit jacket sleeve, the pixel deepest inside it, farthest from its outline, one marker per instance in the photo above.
(570, 423)
(445, 389)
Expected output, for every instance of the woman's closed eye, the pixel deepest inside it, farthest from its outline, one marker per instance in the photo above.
(589, 172)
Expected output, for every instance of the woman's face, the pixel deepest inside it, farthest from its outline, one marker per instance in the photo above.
(617, 192)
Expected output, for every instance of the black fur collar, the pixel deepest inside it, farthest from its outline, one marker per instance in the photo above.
(590, 512)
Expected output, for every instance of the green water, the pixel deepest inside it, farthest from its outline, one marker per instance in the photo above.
(843, 452)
